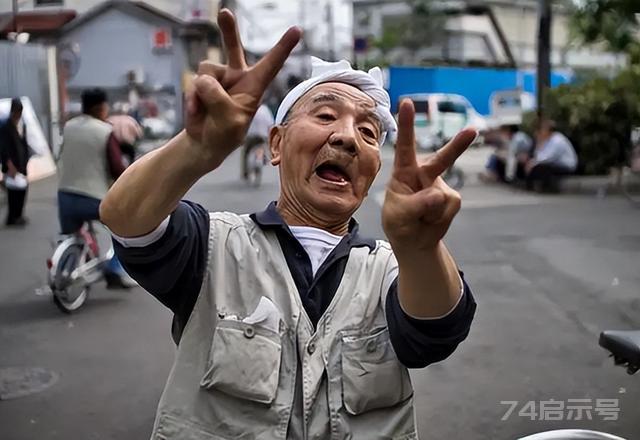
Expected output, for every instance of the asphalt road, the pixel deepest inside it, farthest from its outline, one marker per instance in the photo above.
(548, 274)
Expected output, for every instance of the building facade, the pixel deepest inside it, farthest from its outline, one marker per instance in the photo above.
(183, 9)
(472, 37)
(139, 54)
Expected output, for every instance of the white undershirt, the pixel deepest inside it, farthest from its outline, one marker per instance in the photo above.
(318, 244)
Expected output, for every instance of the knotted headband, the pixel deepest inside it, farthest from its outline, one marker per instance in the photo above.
(370, 83)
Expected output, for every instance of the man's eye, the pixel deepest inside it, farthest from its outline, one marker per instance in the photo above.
(368, 132)
(326, 117)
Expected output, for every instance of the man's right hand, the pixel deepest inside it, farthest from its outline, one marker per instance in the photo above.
(225, 98)
(219, 111)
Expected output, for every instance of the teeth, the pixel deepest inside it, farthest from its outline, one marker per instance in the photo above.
(339, 174)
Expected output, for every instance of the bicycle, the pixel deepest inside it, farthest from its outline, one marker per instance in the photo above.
(256, 159)
(624, 348)
(75, 265)
(630, 176)
(626, 176)
(453, 176)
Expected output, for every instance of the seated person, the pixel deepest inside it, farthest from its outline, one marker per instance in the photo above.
(503, 164)
(554, 157)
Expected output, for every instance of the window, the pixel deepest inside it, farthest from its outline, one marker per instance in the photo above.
(452, 107)
(421, 106)
(49, 3)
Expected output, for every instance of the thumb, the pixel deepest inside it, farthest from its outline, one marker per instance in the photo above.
(210, 92)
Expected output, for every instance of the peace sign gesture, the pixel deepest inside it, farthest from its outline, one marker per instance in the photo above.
(225, 98)
(419, 206)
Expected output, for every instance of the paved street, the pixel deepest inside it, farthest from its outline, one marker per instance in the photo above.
(548, 273)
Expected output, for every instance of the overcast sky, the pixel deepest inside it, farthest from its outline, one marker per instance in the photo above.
(262, 22)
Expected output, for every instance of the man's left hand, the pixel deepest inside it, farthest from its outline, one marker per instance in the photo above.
(529, 166)
(12, 170)
(419, 206)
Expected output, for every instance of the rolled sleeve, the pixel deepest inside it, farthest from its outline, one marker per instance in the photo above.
(421, 342)
(145, 240)
(170, 262)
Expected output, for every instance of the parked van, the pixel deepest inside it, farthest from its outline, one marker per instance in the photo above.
(441, 116)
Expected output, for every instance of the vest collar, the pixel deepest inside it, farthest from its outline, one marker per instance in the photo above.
(270, 219)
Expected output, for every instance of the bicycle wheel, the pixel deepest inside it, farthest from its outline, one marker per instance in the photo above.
(631, 186)
(256, 176)
(454, 177)
(69, 294)
(255, 162)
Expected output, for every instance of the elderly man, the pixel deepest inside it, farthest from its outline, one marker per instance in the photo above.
(289, 324)
(553, 159)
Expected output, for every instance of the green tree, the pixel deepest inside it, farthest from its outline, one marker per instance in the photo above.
(612, 22)
(424, 27)
(391, 38)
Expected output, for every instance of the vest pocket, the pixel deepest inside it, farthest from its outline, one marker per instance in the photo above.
(372, 376)
(170, 428)
(244, 361)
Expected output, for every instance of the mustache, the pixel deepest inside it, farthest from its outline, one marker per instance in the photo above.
(334, 153)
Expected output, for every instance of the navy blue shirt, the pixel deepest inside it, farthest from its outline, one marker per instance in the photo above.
(172, 269)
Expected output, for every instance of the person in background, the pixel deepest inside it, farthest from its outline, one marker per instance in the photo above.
(14, 155)
(258, 133)
(503, 164)
(127, 132)
(90, 161)
(554, 158)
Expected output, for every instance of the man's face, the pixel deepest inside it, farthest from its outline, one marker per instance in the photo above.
(328, 150)
(543, 133)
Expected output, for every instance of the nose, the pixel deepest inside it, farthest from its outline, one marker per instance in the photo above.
(344, 138)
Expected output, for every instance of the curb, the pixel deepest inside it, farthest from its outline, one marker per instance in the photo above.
(598, 185)
(586, 184)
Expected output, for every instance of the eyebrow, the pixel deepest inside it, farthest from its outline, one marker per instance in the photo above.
(326, 97)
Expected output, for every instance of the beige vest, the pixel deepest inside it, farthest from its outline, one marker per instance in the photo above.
(244, 371)
(83, 161)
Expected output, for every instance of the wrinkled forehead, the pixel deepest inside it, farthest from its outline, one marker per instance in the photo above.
(336, 92)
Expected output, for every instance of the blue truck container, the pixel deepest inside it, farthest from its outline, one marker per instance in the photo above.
(474, 83)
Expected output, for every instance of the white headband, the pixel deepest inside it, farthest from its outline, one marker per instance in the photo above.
(341, 71)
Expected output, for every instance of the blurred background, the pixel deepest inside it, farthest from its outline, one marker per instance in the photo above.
(549, 270)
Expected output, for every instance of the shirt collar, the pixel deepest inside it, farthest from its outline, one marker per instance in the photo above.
(270, 219)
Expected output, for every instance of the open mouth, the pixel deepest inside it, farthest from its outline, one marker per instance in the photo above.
(333, 173)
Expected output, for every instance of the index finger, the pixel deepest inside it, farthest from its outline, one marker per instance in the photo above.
(268, 67)
(405, 155)
(446, 156)
(231, 38)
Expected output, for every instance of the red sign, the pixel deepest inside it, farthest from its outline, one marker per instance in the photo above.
(162, 39)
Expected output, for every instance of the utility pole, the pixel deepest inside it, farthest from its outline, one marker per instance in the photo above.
(303, 25)
(14, 13)
(544, 54)
(331, 40)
